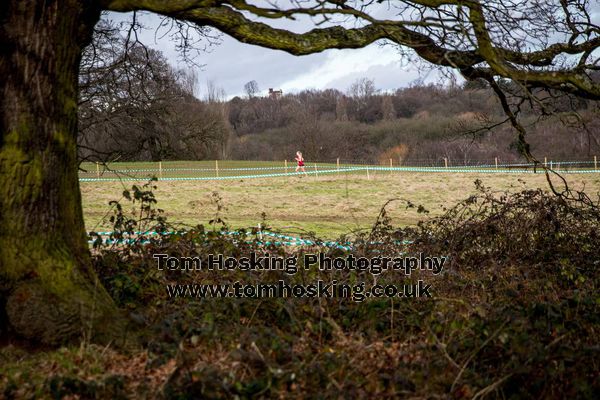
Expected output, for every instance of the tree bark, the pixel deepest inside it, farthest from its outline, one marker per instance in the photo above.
(48, 289)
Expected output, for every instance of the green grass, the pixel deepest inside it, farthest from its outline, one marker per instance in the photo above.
(329, 205)
(197, 169)
(213, 169)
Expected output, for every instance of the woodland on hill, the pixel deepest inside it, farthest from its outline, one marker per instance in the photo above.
(135, 107)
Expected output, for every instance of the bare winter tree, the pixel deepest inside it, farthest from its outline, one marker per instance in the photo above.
(46, 283)
(218, 111)
(363, 89)
(251, 89)
(134, 106)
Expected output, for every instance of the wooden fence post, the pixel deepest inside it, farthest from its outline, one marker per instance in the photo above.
(286, 167)
(446, 162)
(338, 164)
(595, 163)
(546, 162)
(160, 169)
(97, 170)
(368, 176)
(496, 162)
(391, 166)
(316, 172)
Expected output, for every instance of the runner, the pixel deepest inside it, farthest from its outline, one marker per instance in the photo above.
(300, 161)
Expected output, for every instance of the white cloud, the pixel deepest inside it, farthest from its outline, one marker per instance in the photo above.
(340, 68)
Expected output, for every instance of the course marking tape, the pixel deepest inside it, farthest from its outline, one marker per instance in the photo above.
(289, 240)
(346, 169)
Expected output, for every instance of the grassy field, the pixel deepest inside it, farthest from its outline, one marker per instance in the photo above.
(328, 205)
(197, 169)
(210, 169)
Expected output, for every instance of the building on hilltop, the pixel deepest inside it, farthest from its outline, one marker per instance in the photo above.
(275, 94)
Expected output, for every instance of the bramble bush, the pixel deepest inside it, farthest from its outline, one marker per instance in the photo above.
(515, 313)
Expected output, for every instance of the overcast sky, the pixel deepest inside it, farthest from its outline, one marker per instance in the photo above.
(231, 64)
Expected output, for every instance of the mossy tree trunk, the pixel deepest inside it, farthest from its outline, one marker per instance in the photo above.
(47, 287)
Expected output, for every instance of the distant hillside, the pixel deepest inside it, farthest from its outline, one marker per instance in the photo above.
(425, 122)
(146, 111)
